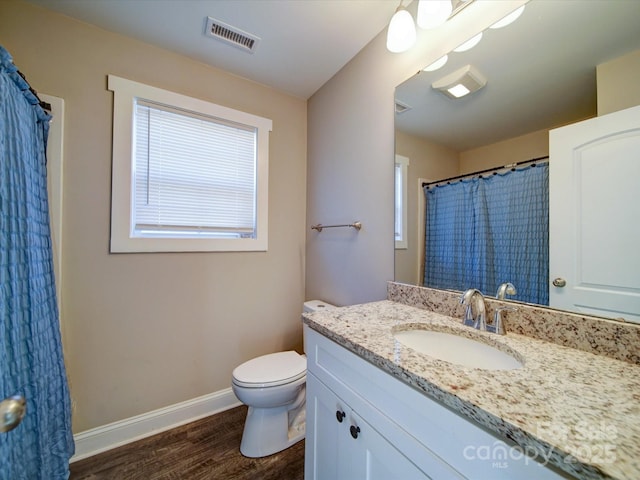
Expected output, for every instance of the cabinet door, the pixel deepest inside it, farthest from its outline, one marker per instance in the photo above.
(376, 458)
(326, 434)
(341, 445)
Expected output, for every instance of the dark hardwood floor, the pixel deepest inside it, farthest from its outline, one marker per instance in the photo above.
(203, 450)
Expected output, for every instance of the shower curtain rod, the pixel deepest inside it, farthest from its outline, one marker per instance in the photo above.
(493, 171)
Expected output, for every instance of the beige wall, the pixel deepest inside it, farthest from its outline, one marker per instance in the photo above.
(428, 161)
(143, 331)
(618, 86)
(351, 156)
(518, 149)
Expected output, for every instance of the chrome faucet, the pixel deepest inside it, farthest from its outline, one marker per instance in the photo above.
(468, 299)
(498, 325)
(505, 289)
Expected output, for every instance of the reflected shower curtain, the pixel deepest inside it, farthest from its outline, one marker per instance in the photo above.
(484, 231)
(31, 362)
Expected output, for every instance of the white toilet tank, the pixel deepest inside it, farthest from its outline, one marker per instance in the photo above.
(313, 306)
(316, 305)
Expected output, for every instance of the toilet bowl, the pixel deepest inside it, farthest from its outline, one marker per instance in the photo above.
(273, 387)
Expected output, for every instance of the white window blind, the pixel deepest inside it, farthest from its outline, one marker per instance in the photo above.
(195, 175)
(188, 175)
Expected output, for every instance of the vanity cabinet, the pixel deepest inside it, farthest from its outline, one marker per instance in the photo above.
(363, 423)
(345, 446)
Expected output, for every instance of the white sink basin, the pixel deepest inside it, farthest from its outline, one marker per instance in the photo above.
(457, 349)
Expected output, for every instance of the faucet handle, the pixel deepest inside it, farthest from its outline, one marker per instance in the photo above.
(505, 289)
(498, 325)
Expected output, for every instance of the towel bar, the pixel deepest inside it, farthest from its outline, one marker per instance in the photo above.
(319, 227)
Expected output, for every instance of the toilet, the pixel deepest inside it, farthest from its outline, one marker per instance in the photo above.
(273, 387)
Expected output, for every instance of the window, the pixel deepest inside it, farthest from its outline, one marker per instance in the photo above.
(402, 165)
(188, 175)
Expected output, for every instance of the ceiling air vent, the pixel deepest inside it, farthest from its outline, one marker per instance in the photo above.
(401, 107)
(231, 35)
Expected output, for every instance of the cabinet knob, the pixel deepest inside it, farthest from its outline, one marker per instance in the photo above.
(340, 415)
(354, 431)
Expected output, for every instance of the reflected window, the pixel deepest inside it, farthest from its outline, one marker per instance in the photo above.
(402, 167)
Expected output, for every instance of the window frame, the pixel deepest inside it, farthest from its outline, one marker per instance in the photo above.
(125, 95)
(401, 214)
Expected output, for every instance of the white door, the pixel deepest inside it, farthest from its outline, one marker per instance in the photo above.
(594, 216)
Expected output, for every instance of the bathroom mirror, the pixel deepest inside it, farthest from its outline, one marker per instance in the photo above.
(541, 74)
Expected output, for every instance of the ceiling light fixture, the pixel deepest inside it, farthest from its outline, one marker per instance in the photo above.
(462, 82)
(401, 33)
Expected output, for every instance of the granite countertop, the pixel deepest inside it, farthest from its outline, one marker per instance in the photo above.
(579, 410)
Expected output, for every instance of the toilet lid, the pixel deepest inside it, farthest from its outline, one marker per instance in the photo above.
(271, 370)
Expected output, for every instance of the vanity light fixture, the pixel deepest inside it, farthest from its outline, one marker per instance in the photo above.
(469, 44)
(433, 13)
(463, 81)
(401, 33)
(508, 19)
(437, 64)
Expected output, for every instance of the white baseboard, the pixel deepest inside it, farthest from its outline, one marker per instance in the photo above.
(106, 437)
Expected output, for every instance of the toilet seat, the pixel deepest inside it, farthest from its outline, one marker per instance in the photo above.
(271, 370)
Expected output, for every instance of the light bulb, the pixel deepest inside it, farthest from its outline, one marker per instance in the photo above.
(433, 13)
(401, 34)
(469, 44)
(437, 64)
(508, 19)
(459, 90)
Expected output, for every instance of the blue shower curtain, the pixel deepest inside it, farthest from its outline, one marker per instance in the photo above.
(31, 361)
(484, 231)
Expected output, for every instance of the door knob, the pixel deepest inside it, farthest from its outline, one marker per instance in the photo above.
(559, 282)
(354, 431)
(340, 415)
(12, 410)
